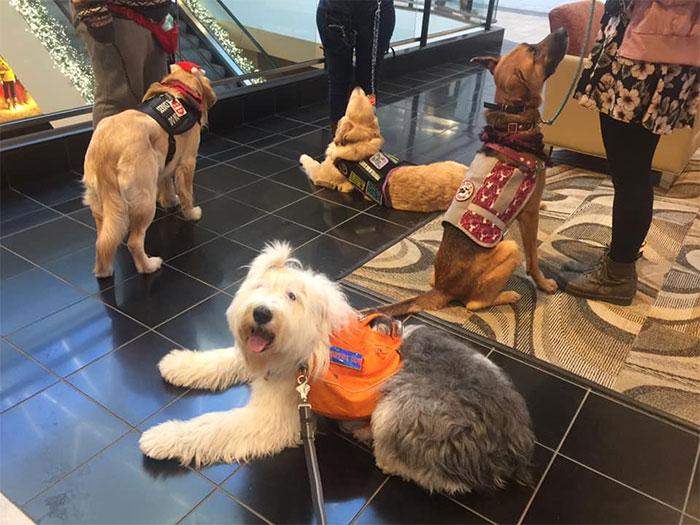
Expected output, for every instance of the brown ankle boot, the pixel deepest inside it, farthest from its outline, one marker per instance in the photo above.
(609, 281)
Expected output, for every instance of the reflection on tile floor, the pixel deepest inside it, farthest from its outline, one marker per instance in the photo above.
(78, 356)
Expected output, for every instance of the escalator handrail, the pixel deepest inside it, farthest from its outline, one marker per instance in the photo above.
(247, 33)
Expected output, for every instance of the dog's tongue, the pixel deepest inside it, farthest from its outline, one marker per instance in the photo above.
(257, 344)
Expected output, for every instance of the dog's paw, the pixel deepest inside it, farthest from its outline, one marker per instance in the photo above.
(547, 285)
(166, 441)
(103, 273)
(193, 214)
(344, 187)
(153, 264)
(176, 367)
(167, 204)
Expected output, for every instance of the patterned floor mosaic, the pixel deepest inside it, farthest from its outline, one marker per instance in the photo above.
(649, 351)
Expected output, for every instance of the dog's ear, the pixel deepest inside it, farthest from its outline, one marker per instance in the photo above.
(208, 93)
(488, 62)
(333, 312)
(350, 133)
(153, 90)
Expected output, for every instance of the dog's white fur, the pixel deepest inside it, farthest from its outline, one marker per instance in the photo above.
(269, 423)
(439, 420)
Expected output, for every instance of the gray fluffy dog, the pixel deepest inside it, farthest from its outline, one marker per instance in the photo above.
(449, 419)
(461, 424)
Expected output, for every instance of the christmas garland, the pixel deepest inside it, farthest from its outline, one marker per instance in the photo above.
(219, 33)
(53, 37)
(75, 66)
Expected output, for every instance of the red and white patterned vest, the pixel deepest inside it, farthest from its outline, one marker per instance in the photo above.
(489, 199)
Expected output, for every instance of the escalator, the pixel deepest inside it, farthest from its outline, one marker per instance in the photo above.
(197, 42)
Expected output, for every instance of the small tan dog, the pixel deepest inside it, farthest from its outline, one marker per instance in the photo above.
(356, 149)
(142, 154)
(505, 183)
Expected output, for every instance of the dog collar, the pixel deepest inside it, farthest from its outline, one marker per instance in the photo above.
(185, 91)
(516, 127)
(506, 108)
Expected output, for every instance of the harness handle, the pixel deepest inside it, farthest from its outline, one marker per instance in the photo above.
(579, 68)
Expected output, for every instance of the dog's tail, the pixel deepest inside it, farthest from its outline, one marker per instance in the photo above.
(111, 214)
(432, 300)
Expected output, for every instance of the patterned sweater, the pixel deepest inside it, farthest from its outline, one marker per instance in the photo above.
(95, 14)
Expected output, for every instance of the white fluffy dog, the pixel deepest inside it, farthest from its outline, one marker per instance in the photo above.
(449, 419)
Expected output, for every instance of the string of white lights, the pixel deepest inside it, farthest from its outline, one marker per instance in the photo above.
(202, 14)
(69, 61)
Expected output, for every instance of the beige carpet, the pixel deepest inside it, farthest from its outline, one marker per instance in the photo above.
(649, 351)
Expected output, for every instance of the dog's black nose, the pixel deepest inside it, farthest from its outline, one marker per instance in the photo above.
(262, 315)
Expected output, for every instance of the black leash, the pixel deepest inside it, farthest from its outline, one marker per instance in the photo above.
(307, 438)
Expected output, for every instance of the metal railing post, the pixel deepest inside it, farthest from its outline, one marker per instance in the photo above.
(426, 23)
(489, 15)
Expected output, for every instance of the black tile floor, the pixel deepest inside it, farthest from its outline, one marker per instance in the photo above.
(78, 356)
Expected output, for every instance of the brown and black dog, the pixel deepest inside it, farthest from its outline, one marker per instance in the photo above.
(465, 270)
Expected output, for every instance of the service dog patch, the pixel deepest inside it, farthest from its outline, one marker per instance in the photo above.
(342, 357)
(465, 191)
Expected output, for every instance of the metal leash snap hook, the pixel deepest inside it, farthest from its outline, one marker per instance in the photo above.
(303, 385)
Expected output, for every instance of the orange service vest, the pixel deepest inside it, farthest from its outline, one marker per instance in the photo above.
(362, 359)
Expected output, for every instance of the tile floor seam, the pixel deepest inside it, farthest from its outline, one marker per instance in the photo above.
(52, 219)
(526, 509)
(252, 125)
(193, 248)
(617, 481)
(467, 507)
(690, 483)
(357, 515)
(36, 362)
(81, 464)
(315, 192)
(197, 505)
(328, 234)
(328, 229)
(56, 276)
(377, 207)
(227, 196)
(41, 203)
(692, 431)
(179, 313)
(240, 502)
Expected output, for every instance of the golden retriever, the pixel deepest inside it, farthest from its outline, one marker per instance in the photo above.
(126, 170)
(424, 188)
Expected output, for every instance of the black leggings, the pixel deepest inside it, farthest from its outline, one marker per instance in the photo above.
(630, 149)
(346, 26)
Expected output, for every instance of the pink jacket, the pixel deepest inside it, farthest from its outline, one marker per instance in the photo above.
(664, 32)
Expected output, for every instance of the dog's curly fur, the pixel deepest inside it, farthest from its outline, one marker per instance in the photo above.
(449, 420)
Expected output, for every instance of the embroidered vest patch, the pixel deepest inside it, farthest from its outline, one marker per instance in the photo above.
(371, 176)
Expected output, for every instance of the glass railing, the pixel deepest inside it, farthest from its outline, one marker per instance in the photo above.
(240, 42)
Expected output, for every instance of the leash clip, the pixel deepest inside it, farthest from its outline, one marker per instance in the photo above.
(303, 387)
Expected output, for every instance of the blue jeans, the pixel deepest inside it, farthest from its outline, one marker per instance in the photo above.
(347, 27)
